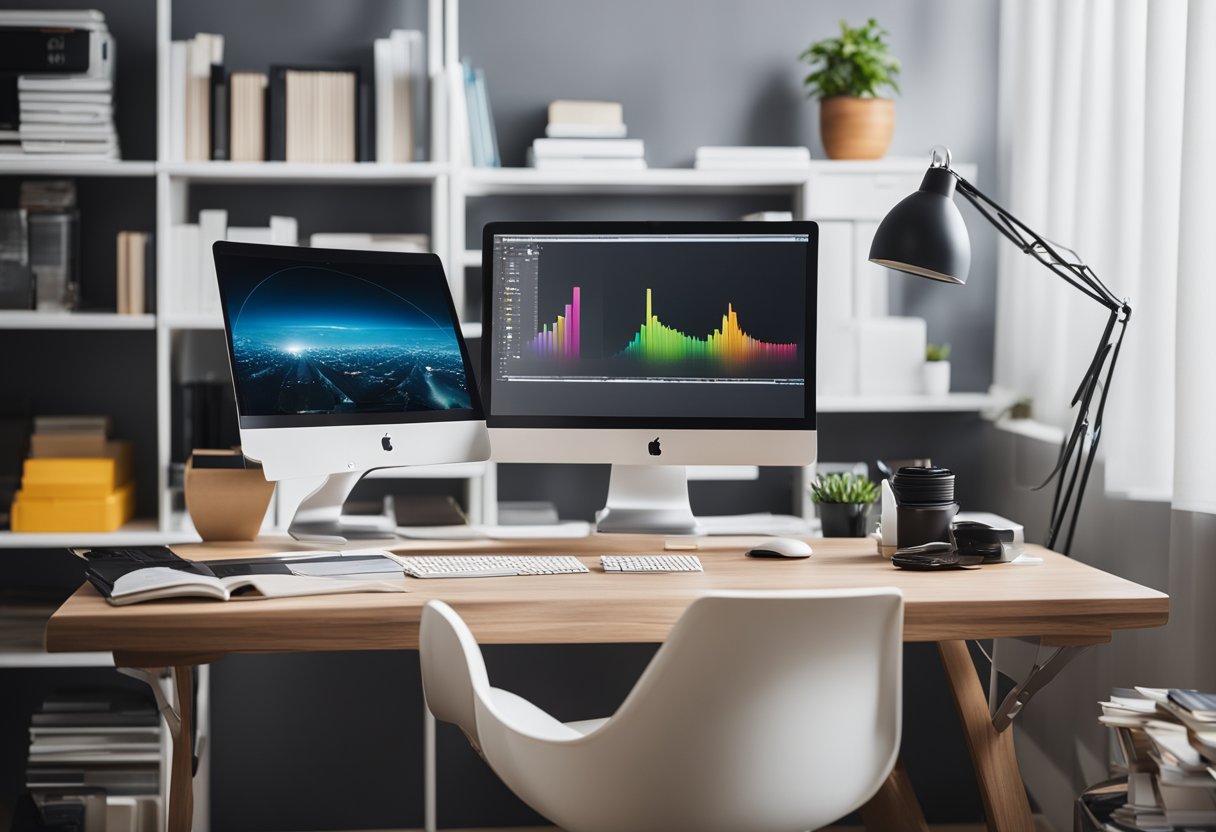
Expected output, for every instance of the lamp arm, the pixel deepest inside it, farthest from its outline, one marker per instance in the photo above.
(1078, 450)
(1079, 275)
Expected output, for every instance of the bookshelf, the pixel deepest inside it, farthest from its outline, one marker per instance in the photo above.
(846, 198)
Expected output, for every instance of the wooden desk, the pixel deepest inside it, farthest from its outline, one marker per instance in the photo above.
(1061, 601)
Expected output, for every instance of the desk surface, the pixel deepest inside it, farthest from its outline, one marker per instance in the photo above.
(1062, 600)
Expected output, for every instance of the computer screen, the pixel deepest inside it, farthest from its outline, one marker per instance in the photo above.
(323, 337)
(650, 325)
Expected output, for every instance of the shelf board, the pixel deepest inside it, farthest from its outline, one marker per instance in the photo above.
(485, 181)
(370, 173)
(135, 533)
(32, 319)
(72, 167)
(949, 403)
(36, 658)
(193, 321)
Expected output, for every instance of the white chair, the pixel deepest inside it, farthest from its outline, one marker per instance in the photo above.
(763, 711)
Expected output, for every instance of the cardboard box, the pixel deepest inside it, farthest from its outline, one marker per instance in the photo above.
(67, 445)
(79, 477)
(65, 514)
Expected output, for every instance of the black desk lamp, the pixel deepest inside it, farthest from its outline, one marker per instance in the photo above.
(925, 235)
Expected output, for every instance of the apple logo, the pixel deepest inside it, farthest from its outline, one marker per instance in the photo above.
(386, 442)
(654, 448)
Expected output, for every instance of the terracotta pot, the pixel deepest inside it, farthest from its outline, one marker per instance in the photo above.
(856, 128)
(225, 503)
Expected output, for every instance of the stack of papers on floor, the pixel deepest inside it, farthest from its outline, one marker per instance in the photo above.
(584, 135)
(752, 158)
(96, 747)
(63, 69)
(1166, 745)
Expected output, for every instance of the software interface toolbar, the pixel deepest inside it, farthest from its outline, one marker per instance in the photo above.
(650, 326)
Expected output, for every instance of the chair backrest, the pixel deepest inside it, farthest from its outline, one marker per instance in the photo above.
(762, 711)
(453, 670)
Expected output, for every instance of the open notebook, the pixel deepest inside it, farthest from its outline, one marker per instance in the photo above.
(158, 582)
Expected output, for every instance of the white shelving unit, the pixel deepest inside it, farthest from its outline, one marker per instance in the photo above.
(846, 198)
(30, 319)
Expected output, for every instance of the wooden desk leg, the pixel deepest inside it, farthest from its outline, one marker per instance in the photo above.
(895, 807)
(992, 753)
(181, 774)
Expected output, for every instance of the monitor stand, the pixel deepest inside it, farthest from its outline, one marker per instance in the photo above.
(648, 499)
(318, 518)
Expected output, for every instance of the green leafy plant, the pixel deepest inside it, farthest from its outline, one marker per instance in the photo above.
(858, 63)
(843, 488)
(937, 352)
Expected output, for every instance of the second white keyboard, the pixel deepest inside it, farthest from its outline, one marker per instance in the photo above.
(651, 563)
(488, 566)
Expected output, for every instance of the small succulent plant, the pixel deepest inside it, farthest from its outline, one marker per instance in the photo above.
(843, 488)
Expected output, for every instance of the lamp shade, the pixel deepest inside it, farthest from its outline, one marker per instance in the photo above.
(925, 234)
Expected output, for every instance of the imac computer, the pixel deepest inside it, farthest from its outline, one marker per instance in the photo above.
(344, 362)
(650, 346)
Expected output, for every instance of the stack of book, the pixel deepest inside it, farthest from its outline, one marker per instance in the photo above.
(194, 290)
(94, 758)
(293, 113)
(76, 478)
(135, 289)
(586, 135)
(58, 68)
(752, 158)
(1166, 747)
(401, 96)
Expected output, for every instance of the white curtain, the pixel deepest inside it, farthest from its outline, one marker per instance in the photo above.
(1107, 119)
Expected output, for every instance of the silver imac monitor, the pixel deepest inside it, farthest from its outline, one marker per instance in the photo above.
(344, 362)
(650, 346)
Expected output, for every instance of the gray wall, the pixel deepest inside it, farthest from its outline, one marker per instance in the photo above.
(332, 741)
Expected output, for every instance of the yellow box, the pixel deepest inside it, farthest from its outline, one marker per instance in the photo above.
(79, 477)
(58, 514)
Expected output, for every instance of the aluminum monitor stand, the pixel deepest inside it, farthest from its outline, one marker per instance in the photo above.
(648, 499)
(318, 519)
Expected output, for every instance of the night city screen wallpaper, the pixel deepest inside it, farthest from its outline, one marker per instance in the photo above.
(341, 339)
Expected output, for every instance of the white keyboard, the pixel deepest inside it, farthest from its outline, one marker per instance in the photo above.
(651, 563)
(488, 566)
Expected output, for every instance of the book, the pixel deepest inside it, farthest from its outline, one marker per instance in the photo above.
(563, 130)
(212, 227)
(159, 573)
(370, 242)
(284, 231)
(72, 424)
(179, 51)
(218, 113)
(1201, 706)
(586, 164)
(588, 148)
(203, 51)
(247, 116)
(314, 114)
(160, 582)
(600, 113)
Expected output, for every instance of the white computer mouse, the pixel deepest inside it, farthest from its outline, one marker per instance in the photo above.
(780, 547)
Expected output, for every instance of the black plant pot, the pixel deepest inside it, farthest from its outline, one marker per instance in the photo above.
(844, 519)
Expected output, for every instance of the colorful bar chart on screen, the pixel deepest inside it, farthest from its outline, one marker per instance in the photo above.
(561, 338)
(655, 341)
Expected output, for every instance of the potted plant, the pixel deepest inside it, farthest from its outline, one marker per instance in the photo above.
(937, 370)
(844, 502)
(848, 75)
